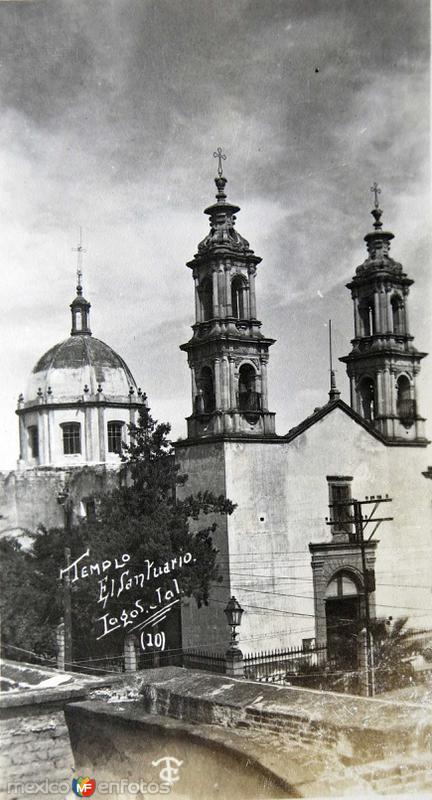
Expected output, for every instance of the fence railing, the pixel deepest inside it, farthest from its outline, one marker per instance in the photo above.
(201, 659)
(279, 666)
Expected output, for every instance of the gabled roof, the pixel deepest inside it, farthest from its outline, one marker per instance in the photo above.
(322, 412)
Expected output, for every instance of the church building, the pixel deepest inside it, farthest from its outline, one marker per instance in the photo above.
(73, 417)
(297, 576)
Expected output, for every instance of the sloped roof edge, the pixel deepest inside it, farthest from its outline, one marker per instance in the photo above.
(327, 409)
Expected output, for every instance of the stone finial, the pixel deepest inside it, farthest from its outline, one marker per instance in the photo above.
(334, 393)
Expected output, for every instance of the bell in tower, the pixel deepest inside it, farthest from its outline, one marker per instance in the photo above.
(383, 364)
(227, 353)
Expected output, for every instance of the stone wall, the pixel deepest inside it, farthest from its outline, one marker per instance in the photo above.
(34, 739)
(28, 498)
(34, 747)
(315, 744)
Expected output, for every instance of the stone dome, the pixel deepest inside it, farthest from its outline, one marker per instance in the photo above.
(78, 362)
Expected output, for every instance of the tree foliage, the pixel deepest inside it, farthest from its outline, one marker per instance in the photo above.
(144, 518)
(395, 647)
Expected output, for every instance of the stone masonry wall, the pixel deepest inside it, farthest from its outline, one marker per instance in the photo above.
(34, 745)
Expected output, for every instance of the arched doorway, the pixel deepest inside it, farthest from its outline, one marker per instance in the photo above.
(343, 619)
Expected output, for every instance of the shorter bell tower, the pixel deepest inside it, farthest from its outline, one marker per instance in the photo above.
(383, 364)
(228, 353)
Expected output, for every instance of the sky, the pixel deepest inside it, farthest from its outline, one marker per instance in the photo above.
(110, 113)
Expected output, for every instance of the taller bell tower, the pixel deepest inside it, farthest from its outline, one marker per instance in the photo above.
(227, 354)
(383, 364)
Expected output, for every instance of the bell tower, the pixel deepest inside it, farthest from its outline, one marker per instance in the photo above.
(383, 364)
(227, 354)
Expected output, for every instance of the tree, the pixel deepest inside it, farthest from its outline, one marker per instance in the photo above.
(395, 646)
(143, 519)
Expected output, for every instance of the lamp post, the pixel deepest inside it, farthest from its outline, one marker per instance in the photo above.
(234, 656)
(64, 500)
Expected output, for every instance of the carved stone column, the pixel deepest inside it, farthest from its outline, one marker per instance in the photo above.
(228, 300)
(225, 383)
(217, 383)
(198, 317)
(264, 385)
(215, 275)
(389, 315)
(377, 314)
(232, 381)
(356, 318)
(252, 295)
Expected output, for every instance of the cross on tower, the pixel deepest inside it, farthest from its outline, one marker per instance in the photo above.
(79, 250)
(376, 190)
(222, 157)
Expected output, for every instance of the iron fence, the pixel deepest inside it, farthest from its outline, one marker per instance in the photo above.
(201, 659)
(285, 665)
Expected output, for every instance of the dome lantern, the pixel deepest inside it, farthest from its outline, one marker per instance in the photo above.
(80, 307)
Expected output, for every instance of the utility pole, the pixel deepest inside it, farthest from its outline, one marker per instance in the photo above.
(370, 674)
(361, 520)
(67, 613)
(63, 498)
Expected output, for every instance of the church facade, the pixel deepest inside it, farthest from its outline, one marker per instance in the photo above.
(298, 576)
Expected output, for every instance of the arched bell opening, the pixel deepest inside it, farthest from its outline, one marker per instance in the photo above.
(207, 390)
(367, 399)
(405, 404)
(206, 296)
(398, 316)
(238, 297)
(367, 317)
(248, 397)
(343, 618)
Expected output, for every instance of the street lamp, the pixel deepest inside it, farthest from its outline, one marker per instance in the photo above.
(234, 656)
(233, 613)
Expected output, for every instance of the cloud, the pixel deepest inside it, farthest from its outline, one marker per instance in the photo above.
(111, 112)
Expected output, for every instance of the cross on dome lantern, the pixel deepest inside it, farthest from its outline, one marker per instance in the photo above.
(376, 211)
(79, 251)
(222, 157)
(376, 190)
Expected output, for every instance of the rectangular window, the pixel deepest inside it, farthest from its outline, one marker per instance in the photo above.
(115, 430)
(33, 440)
(71, 438)
(90, 507)
(341, 508)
